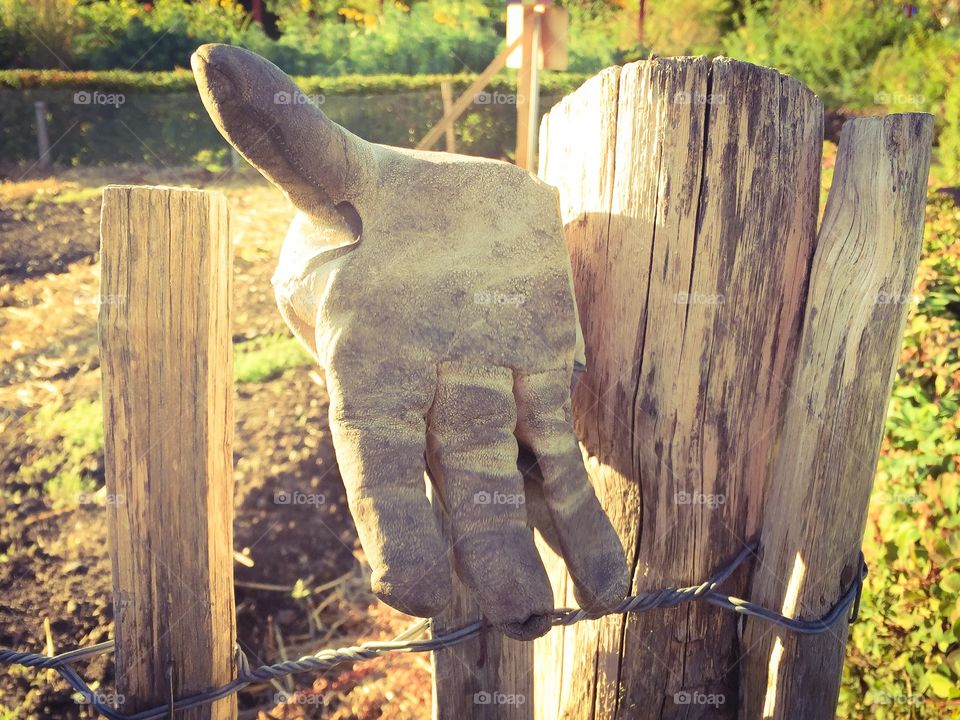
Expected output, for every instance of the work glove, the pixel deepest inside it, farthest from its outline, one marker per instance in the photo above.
(435, 291)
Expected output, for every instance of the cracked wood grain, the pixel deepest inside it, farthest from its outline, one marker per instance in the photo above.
(166, 358)
(816, 505)
(689, 195)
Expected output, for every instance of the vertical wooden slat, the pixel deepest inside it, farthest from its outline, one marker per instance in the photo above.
(528, 86)
(816, 504)
(446, 95)
(166, 358)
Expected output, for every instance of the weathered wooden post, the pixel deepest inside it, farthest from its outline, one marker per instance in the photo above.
(690, 217)
(166, 356)
(446, 97)
(689, 192)
(816, 505)
(43, 136)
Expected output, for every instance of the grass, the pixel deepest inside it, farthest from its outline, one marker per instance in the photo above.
(66, 471)
(268, 357)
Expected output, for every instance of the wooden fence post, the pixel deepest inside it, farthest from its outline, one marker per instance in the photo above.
(166, 357)
(689, 196)
(689, 193)
(816, 507)
(43, 136)
(446, 96)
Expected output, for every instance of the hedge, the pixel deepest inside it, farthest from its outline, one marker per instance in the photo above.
(158, 117)
(182, 81)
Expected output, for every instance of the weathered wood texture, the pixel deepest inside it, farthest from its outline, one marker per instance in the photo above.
(166, 354)
(689, 194)
(816, 504)
(487, 678)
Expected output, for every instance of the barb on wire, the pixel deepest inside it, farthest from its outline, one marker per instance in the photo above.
(409, 640)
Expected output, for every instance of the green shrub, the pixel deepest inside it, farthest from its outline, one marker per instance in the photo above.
(37, 33)
(829, 46)
(923, 74)
(123, 34)
(68, 473)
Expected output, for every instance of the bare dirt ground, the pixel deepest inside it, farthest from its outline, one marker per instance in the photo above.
(300, 582)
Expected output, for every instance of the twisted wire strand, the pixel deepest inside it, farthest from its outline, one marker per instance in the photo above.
(848, 604)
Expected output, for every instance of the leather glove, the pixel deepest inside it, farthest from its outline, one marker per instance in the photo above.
(435, 291)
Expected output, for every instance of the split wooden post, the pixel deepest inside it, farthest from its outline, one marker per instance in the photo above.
(816, 507)
(166, 358)
(689, 194)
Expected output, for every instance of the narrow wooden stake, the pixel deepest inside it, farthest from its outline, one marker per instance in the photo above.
(446, 95)
(166, 358)
(816, 508)
(43, 136)
(528, 86)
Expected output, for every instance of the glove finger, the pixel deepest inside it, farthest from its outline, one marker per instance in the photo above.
(472, 454)
(380, 451)
(588, 543)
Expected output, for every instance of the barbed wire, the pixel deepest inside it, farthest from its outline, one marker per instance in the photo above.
(408, 641)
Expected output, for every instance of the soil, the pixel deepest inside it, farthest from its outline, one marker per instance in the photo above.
(301, 582)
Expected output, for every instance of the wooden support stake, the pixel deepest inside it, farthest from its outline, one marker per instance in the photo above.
(816, 507)
(446, 95)
(528, 86)
(166, 358)
(43, 136)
